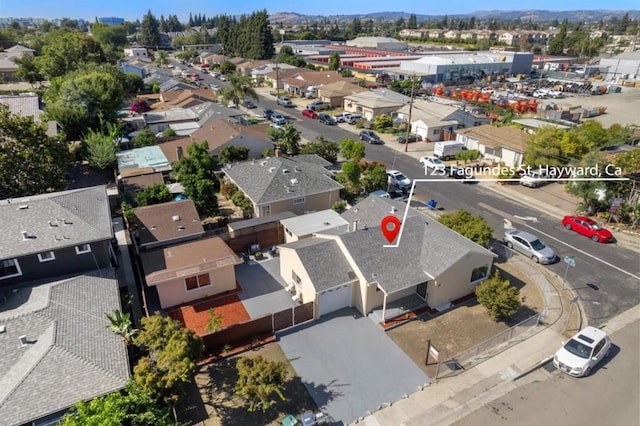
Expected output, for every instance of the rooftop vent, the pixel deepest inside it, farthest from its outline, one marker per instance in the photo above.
(272, 169)
(23, 340)
(298, 169)
(25, 235)
(66, 222)
(393, 210)
(263, 163)
(52, 225)
(3, 328)
(181, 228)
(176, 218)
(23, 207)
(285, 171)
(294, 181)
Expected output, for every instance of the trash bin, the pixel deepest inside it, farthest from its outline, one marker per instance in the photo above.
(432, 204)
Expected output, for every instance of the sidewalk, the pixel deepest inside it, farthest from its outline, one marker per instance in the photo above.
(450, 399)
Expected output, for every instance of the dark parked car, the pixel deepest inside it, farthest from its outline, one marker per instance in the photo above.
(249, 105)
(267, 113)
(412, 138)
(327, 119)
(370, 136)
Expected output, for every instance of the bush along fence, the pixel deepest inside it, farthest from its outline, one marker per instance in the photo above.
(255, 329)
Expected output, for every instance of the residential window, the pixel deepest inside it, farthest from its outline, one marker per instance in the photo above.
(9, 268)
(479, 273)
(47, 256)
(83, 248)
(295, 277)
(299, 200)
(265, 210)
(199, 281)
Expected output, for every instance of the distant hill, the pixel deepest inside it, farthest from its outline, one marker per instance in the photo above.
(533, 15)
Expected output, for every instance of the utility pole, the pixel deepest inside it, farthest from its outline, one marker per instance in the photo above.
(277, 79)
(406, 142)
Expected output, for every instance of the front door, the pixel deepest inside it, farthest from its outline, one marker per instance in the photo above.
(421, 290)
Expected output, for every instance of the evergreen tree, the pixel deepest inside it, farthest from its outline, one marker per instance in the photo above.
(413, 21)
(149, 32)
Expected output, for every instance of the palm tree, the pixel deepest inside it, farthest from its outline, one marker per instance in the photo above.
(239, 88)
(289, 139)
(120, 323)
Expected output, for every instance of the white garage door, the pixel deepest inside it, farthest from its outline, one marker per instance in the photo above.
(334, 299)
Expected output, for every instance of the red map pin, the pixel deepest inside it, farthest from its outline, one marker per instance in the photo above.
(390, 226)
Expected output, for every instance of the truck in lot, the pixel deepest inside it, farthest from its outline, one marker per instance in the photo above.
(448, 149)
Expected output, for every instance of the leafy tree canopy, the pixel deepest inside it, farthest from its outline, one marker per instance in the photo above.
(64, 50)
(472, 227)
(31, 162)
(153, 194)
(352, 150)
(259, 381)
(196, 174)
(326, 149)
(145, 137)
(232, 153)
(498, 296)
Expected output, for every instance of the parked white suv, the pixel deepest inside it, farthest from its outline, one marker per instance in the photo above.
(533, 179)
(285, 102)
(583, 352)
(429, 161)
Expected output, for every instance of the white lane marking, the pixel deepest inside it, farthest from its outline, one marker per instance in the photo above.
(585, 253)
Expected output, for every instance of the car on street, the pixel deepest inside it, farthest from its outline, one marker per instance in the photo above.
(222, 77)
(327, 119)
(343, 117)
(432, 162)
(309, 113)
(214, 86)
(249, 104)
(319, 106)
(285, 102)
(529, 245)
(580, 355)
(267, 113)
(588, 227)
(277, 118)
(354, 118)
(459, 173)
(412, 138)
(370, 136)
(398, 180)
(533, 179)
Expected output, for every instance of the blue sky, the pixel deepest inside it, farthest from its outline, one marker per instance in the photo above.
(135, 9)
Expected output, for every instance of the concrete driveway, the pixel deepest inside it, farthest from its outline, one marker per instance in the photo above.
(263, 290)
(349, 365)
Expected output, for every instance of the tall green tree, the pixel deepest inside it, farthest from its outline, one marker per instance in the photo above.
(64, 50)
(31, 162)
(288, 139)
(238, 90)
(153, 194)
(173, 355)
(232, 153)
(470, 226)
(149, 31)
(352, 150)
(259, 381)
(334, 61)
(196, 174)
(326, 149)
(27, 70)
(557, 44)
(112, 39)
(101, 147)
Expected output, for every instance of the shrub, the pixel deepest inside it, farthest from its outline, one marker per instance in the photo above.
(498, 296)
(228, 190)
(339, 206)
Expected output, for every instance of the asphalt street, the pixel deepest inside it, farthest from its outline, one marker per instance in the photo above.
(609, 396)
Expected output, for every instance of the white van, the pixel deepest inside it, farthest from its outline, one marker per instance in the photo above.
(448, 149)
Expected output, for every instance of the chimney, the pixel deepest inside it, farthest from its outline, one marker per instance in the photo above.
(25, 235)
(355, 225)
(179, 152)
(23, 340)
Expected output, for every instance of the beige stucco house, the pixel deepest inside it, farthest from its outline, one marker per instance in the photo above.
(498, 144)
(190, 271)
(299, 184)
(370, 104)
(353, 265)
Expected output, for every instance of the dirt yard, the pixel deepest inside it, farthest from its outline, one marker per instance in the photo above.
(211, 401)
(464, 326)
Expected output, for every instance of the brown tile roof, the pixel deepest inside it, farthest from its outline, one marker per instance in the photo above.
(185, 98)
(493, 137)
(134, 184)
(340, 88)
(167, 221)
(316, 78)
(217, 133)
(283, 73)
(186, 259)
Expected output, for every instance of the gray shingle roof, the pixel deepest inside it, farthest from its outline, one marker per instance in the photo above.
(71, 355)
(86, 211)
(426, 248)
(324, 262)
(279, 178)
(26, 105)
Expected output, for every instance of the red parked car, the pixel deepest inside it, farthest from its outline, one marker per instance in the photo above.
(588, 228)
(309, 113)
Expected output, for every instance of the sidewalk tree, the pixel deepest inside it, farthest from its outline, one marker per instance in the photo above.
(472, 227)
(173, 353)
(352, 150)
(153, 194)
(498, 296)
(31, 162)
(259, 380)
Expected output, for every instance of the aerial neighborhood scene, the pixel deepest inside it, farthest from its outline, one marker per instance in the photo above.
(319, 214)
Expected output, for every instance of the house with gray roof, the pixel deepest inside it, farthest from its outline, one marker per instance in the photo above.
(354, 265)
(55, 347)
(300, 184)
(55, 234)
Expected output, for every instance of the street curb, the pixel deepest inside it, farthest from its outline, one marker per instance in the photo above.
(532, 369)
